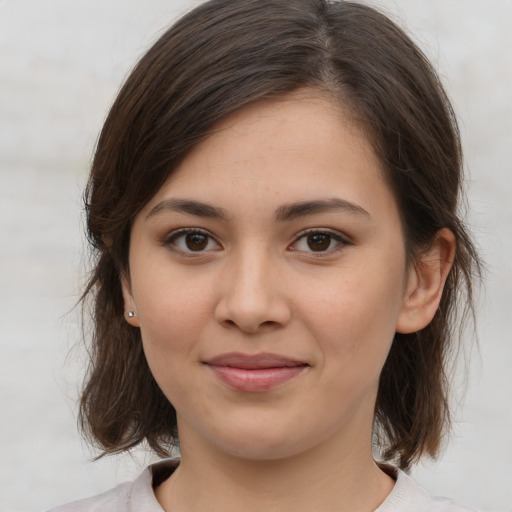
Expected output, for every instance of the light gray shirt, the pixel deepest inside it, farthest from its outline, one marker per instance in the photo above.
(138, 496)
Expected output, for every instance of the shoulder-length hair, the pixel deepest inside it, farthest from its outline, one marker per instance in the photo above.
(220, 57)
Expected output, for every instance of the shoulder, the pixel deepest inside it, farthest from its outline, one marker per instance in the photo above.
(106, 502)
(128, 497)
(408, 496)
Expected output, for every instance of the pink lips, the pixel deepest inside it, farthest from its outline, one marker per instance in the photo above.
(253, 373)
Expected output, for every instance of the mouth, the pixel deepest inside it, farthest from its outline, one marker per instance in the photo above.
(254, 373)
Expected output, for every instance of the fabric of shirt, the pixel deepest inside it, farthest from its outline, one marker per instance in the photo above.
(138, 496)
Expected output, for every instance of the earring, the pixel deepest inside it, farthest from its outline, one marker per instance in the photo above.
(130, 314)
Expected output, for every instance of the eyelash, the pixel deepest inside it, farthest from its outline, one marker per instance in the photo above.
(335, 236)
(171, 239)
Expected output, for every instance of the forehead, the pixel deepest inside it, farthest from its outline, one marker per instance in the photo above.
(297, 148)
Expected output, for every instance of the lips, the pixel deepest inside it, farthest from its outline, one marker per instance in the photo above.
(254, 373)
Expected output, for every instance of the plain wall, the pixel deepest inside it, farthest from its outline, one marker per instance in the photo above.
(61, 63)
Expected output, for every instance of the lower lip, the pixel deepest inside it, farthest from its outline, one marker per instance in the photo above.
(255, 380)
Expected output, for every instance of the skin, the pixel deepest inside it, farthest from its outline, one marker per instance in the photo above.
(252, 283)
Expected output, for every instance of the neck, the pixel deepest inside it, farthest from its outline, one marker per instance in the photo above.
(325, 478)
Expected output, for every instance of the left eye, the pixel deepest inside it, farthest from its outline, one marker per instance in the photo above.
(318, 241)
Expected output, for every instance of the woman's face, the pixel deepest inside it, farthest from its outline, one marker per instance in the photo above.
(268, 276)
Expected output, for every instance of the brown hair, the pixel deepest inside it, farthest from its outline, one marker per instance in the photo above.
(217, 59)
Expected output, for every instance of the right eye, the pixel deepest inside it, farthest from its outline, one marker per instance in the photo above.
(191, 240)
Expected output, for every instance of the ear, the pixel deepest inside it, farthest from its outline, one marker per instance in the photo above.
(129, 302)
(425, 284)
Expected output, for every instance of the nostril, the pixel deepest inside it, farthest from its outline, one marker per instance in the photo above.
(252, 312)
(251, 328)
(229, 323)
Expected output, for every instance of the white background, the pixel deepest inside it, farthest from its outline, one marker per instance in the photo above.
(61, 62)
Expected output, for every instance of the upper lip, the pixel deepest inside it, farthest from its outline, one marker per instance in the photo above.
(254, 361)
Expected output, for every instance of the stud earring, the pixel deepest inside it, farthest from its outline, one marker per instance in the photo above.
(130, 314)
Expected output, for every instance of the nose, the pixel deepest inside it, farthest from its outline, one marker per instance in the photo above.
(252, 298)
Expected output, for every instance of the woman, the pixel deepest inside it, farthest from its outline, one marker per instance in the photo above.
(272, 205)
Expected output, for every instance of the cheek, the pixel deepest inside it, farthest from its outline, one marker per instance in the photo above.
(172, 312)
(172, 319)
(354, 316)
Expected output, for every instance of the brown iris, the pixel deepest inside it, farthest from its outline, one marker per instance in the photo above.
(196, 241)
(319, 242)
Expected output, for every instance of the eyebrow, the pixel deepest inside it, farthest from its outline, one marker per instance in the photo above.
(284, 213)
(191, 207)
(296, 210)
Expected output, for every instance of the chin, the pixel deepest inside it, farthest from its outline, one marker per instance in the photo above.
(267, 442)
(262, 450)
